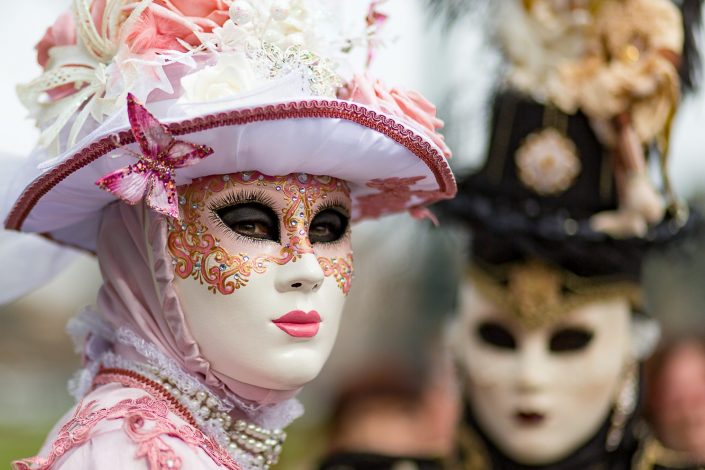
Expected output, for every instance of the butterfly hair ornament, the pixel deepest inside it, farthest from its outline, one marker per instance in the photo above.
(152, 177)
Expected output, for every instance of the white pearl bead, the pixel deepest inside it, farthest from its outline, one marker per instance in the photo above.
(280, 10)
(201, 396)
(241, 12)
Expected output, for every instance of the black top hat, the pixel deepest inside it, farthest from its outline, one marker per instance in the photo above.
(546, 174)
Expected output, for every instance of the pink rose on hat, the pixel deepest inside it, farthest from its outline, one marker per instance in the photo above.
(409, 105)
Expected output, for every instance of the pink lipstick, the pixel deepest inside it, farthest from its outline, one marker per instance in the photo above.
(299, 324)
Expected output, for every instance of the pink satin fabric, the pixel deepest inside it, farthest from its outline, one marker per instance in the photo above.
(138, 293)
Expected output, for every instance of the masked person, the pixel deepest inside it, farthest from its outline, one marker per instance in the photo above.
(550, 361)
(212, 156)
(551, 329)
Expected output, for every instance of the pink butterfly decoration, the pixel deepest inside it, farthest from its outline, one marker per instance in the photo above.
(153, 175)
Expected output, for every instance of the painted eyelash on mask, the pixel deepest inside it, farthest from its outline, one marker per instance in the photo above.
(243, 197)
(335, 205)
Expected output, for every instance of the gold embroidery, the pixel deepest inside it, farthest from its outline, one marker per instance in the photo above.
(547, 162)
(538, 294)
(653, 453)
(471, 454)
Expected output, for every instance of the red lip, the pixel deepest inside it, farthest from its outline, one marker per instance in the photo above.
(299, 324)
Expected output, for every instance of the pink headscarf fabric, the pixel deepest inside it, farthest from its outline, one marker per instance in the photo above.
(138, 293)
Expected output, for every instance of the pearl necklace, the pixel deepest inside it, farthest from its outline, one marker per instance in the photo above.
(259, 445)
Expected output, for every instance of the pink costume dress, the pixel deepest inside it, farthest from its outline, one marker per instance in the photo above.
(146, 398)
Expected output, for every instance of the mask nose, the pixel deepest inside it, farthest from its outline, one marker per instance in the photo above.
(533, 367)
(301, 275)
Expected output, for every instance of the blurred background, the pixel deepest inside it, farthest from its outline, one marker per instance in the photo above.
(404, 268)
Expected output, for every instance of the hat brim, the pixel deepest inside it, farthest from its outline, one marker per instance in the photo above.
(389, 165)
(504, 232)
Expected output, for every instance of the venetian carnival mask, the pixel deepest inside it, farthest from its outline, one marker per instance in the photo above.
(541, 391)
(263, 267)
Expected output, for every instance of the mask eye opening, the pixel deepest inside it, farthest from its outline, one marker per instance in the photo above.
(496, 335)
(253, 220)
(570, 340)
(330, 225)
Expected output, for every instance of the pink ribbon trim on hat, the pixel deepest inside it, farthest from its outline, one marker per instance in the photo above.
(415, 143)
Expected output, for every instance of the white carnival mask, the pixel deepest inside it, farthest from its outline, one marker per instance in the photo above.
(263, 267)
(539, 392)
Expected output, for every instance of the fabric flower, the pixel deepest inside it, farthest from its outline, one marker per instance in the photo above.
(157, 29)
(408, 105)
(166, 25)
(61, 33)
(215, 10)
(232, 74)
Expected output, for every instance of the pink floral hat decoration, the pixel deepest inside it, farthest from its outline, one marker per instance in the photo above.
(141, 96)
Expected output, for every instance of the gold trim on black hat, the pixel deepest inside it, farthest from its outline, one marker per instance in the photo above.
(538, 294)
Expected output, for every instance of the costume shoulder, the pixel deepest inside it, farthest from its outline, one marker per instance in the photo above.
(126, 428)
(113, 450)
(653, 455)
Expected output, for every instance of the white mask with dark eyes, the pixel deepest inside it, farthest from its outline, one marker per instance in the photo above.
(263, 267)
(541, 393)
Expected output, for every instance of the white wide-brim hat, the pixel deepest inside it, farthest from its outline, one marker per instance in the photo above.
(256, 106)
(389, 165)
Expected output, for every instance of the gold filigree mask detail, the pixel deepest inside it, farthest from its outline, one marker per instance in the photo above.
(198, 253)
(539, 295)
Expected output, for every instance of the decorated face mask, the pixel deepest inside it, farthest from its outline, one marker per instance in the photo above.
(541, 392)
(263, 266)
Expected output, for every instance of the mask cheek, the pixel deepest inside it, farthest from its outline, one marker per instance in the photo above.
(489, 368)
